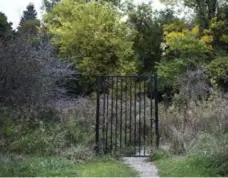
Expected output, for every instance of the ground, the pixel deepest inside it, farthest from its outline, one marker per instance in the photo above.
(59, 167)
(145, 169)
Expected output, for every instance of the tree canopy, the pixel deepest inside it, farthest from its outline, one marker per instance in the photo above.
(93, 37)
(5, 26)
(29, 14)
(148, 37)
(29, 23)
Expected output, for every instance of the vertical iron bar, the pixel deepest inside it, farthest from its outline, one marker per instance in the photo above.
(130, 88)
(156, 109)
(125, 130)
(107, 118)
(116, 125)
(144, 119)
(121, 110)
(151, 110)
(135, 116)
(104, 119)
(140, 117)
(97, 115)
(112, 112)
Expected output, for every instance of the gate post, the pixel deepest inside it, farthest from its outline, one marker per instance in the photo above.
(156, 109)
(97, 115)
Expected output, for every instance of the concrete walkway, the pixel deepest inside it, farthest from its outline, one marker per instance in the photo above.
(145, 169)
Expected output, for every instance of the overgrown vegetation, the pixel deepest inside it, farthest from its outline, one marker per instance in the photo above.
(198, 132)
(52, 166)
(48, 68)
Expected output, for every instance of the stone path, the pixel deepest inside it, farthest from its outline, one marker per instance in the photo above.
(145, 169)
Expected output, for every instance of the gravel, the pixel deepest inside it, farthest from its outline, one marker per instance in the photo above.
(145, 169)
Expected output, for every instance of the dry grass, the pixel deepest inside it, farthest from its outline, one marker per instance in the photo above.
(179, 128)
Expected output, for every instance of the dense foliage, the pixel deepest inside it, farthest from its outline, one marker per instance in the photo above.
(45, 60)
(5, 27)
(29, 23)
(93, 37)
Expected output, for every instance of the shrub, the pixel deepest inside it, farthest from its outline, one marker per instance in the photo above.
(29, 74)
(218, 71)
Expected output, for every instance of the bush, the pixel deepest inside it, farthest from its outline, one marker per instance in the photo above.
(29, 74)
(218, 71)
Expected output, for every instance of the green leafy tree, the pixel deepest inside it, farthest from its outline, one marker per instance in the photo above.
(29, 23)
(165, 16)
(5, 26)
(92, 36)
(219, 30)
(212, 18)
(29, 27)
(182, 50)
(204, 9)
(148, 37)
(29, 14)
(49, 4)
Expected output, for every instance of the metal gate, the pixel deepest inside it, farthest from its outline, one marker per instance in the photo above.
(127, 115)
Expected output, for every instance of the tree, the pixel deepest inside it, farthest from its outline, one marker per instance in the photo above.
(183, 49)
(218, 28)
(148, 37)
(205, 9)
(29, 23)
(5, 26)
(165, 16)
(92, 36)
(29, 14)
(49, 4)
(29, 27)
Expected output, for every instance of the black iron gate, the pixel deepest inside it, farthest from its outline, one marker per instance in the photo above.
(127, 115)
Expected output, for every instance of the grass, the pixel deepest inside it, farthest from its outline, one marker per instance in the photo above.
(187, 167)
(106, 168)
(58, 167)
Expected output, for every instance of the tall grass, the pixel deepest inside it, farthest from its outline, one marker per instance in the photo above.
(201, 133)
(71, 135)
(208, 116)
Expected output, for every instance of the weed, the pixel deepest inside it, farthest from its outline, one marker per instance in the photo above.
(59, 167)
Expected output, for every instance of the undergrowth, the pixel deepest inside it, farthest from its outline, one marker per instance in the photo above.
(69, 135)
(14, 166)
(195, 138)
